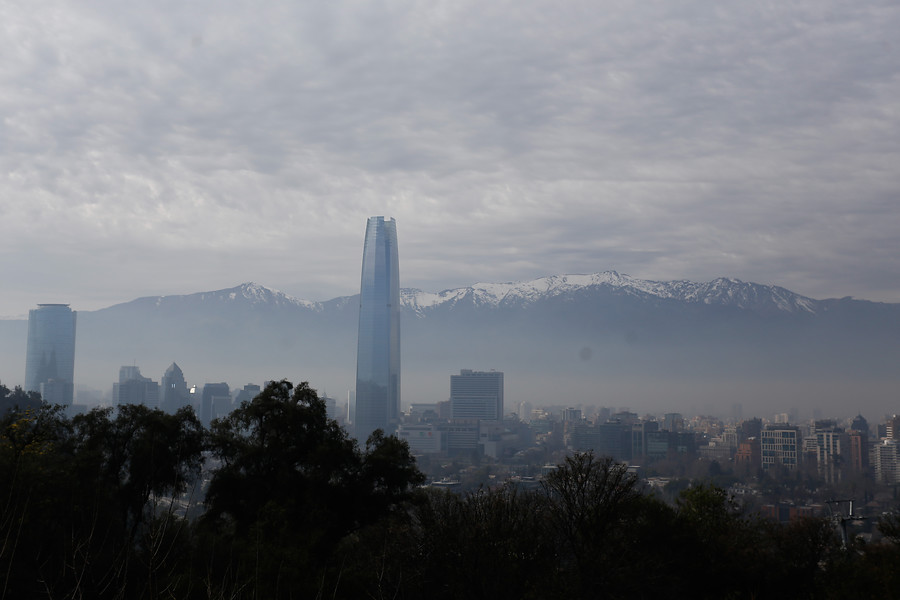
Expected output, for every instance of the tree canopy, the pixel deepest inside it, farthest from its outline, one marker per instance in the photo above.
(290, 485)
(98, 506)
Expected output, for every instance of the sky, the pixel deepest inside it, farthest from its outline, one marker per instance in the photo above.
(168, 147)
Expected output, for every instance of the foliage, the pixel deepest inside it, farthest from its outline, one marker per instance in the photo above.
(77, 496)
(889, 525)
(94, 506)
(18, 399)
(289, 487)
(592, 497)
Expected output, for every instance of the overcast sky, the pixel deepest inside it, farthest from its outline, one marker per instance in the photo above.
(172, 147)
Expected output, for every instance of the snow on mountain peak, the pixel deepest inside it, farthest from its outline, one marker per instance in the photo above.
(723, 290)
(259, 294)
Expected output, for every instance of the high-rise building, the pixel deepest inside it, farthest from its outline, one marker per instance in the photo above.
(885, 461)
(748, 457)
(134, 388)
(832, 452)
(860, 424)
(173, 390)
(215, 403)
(639, 437)
(859, 450)
(250, 391)
(780, 445)
(50, 356)
(476, 395)
(892, 430)
(378, 350)
(673, 422)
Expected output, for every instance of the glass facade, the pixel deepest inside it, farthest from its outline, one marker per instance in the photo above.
(476, 395)
(50, 355)
(378, 350)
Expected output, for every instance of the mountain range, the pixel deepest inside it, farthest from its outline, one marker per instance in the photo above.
(603, 339)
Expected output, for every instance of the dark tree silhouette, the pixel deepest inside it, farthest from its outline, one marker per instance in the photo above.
(289, 487)
(79, 496)
(18, 398)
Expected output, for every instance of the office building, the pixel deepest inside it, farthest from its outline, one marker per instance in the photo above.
(860, 424)
(832, 452)
(250, 391)
(673, 422)
(571, 415)
(173, 390)
(639, 438)
(885, 460)
(422, 438)
(612, 438)
(476, 395)
(134, 388)
(748, 458)
(50, 355)
(215, 402)
(780, 445)
(859, 450)
(892, 429)
(378, 350)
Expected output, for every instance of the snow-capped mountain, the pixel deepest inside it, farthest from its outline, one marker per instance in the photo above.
(726, 292)
(246, 295)
(722, 292)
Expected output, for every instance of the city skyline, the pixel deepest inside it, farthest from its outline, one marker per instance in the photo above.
(691, 347)
(167, 148)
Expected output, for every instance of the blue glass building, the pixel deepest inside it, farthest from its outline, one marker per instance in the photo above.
(50, 355)
(378, 352)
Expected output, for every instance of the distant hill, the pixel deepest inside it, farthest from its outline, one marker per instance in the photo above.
(603, 338)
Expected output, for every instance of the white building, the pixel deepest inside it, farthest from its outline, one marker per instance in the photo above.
(884, 459)
(422, 439)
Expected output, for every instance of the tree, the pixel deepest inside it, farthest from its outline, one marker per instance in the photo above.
(18, 398)
(592, 500)
(141, 454)
(713, 531)
(289, 486)
(388, 472)
(491, 543)
(78, 495)
(889, 526)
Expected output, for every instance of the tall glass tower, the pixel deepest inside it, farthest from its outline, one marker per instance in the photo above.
(378, 352)
(50, 357)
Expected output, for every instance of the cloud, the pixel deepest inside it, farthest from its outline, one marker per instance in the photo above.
(175, 147)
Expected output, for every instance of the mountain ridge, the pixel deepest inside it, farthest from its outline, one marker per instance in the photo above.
(722, 291)
(602, 337)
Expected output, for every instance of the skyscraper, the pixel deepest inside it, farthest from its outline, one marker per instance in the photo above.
(476, 395)
(50, 356)
(173, 390)
(216, 402)
(134, 388)
(378, 350)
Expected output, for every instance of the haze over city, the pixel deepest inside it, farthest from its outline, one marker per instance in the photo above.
(173, 148)
(441, 299)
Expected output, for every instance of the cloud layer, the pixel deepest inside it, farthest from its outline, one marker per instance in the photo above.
(178, 147)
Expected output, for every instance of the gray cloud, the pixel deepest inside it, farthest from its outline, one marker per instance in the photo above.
(176, 147)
